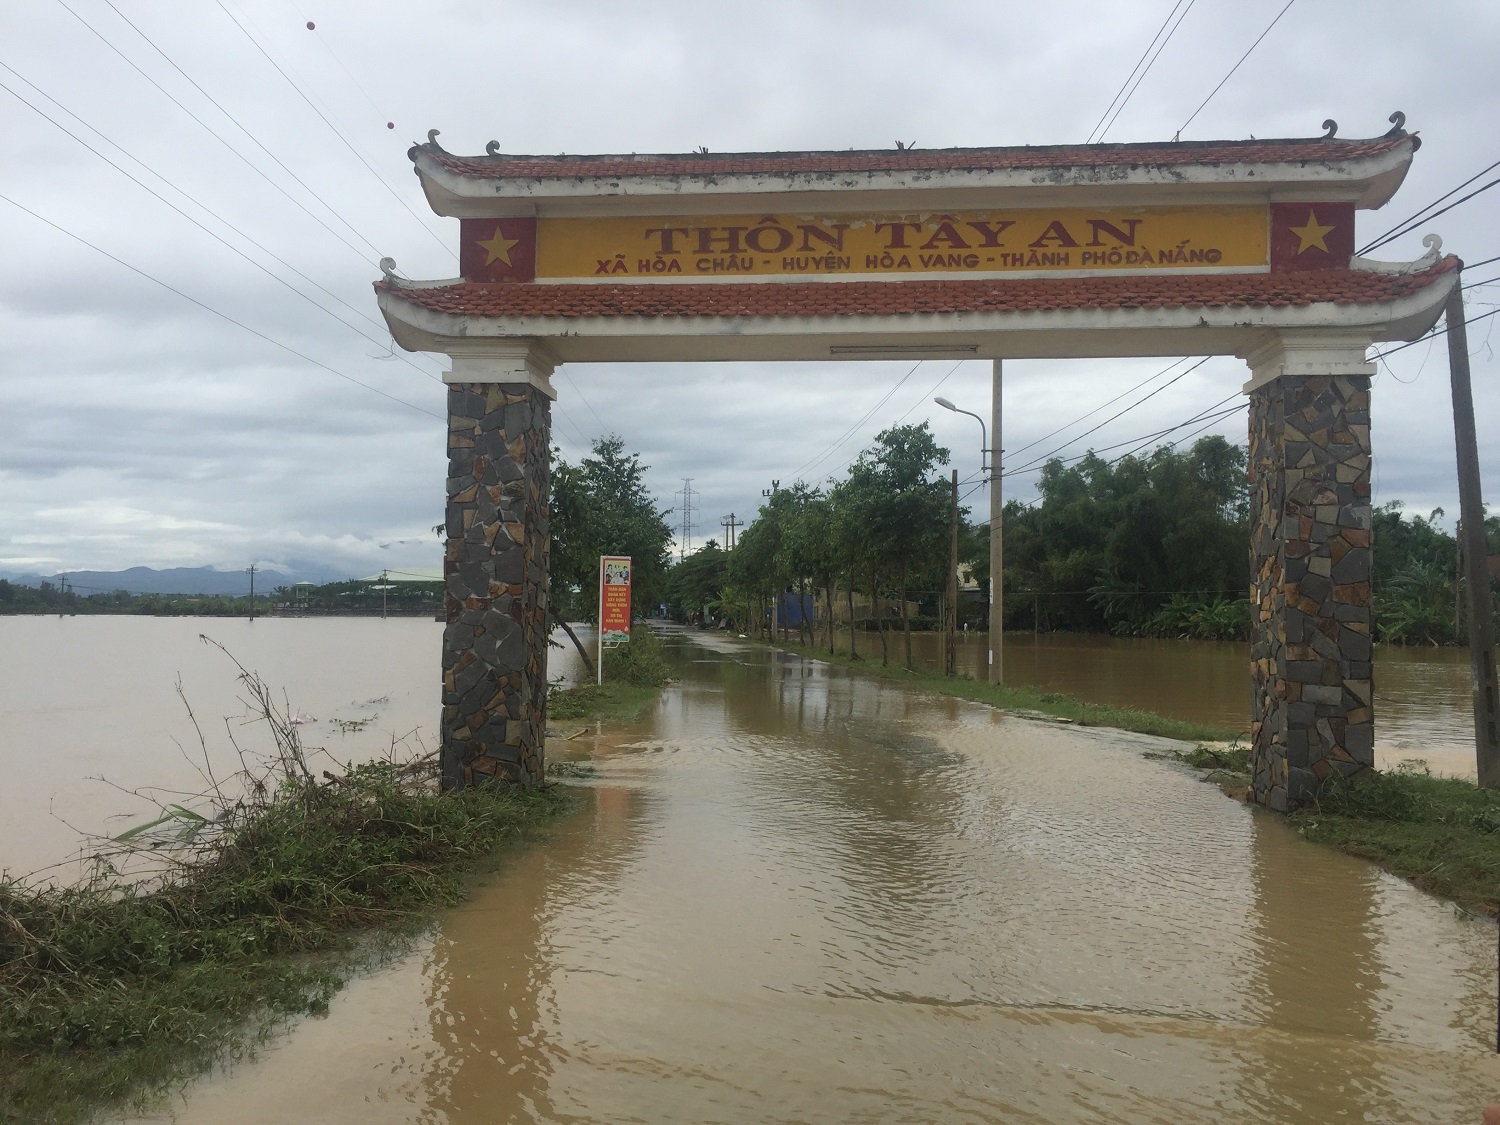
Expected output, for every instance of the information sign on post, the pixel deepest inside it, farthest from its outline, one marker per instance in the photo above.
(614, 604)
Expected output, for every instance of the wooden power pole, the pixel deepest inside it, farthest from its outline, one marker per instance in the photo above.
(997, 538)
(950, 650)
(1475, 551)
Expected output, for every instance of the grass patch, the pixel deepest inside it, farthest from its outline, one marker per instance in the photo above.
(263, 901)
(634, 675)
(1442, 833)
(1051, 704)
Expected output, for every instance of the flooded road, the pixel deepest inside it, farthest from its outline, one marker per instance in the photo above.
(791, 895)
(1423, 704)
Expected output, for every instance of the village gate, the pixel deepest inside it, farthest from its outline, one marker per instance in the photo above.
(1241, 248)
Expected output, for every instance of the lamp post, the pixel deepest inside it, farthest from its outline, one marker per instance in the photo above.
(989, 462)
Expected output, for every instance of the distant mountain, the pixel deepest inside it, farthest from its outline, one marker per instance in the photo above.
(177, 580)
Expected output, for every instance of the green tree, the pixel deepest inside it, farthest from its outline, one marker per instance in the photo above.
(910, 506)
(601, 506)
(696, 584)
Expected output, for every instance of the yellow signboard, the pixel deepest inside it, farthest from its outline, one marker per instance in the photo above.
(945, 245)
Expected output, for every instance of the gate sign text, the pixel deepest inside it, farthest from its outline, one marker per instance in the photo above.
(785, 247)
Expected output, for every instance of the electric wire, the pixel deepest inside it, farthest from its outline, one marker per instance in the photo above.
(206, 230)
(334, 128)
(364, 257)
(796, 474)
(1146, 70)
(1120, 92)
(1101, 406)
(323, 42)
(1144, 398)
(241, 127)
(1421, 215)
(221, 315)
(1433, 335)
(1236, 66)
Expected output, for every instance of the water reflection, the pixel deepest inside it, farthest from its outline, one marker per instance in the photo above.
(798, 896)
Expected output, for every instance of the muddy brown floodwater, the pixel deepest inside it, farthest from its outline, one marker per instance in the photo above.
(791, 895)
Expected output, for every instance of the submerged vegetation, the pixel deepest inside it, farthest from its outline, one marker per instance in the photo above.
(265, 899)
(1442, 833)
(633, 677)
(1026, 700)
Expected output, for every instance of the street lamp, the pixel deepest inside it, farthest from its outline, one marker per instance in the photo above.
(984, 434)
(989, 463)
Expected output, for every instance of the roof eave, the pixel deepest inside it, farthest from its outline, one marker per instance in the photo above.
(1367, 181)
(1222, 330)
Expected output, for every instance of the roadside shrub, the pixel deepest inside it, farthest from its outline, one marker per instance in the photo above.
(640, 662)
(1410, 794)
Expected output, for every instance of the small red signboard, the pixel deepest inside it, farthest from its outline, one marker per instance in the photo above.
(614, 599)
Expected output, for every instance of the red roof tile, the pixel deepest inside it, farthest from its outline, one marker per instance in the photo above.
(1294, 151)
(887, 298)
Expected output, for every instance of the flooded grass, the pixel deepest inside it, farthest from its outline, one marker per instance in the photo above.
(1023, 698)
(114, 992)
(634, 675)
(1442, 833)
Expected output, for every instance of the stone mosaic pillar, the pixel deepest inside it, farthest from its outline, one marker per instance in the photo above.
(1312, 688)
(495, 569)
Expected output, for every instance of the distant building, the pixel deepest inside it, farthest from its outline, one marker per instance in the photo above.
(409, 574)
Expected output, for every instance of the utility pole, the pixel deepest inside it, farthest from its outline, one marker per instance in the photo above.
(1476, 551)
(684, 548)
(385, 585)
(729, 523)
(950, 656)
(997, 537)
(251, 573)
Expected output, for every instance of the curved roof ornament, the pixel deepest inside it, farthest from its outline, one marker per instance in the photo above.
(388, 268)
(432, 139)
(1398, 124)
(493, 148)
(1333, 127)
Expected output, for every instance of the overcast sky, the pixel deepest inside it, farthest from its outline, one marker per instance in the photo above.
(139, 428)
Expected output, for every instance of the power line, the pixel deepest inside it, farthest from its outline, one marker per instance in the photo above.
(212, 234)
(241, 127)
(222, 316)
(1101, 406)
(796, 474)
(215, 134)
(1120, 92)
(347, 144)
(1421, 215)
(1433, 335)
(579, 392)
(1144, 398)
(1146, 69)
(318, 35)
(1235, 67)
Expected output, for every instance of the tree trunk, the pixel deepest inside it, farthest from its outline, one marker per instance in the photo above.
(568, 629)
(853, 648)
(805, 629)
(885, 652)
(905, 617)
(830, 592)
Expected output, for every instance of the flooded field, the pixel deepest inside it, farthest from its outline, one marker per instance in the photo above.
(793, 895)
(88, 697)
